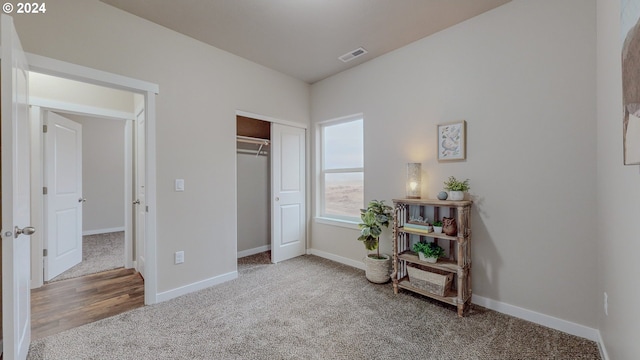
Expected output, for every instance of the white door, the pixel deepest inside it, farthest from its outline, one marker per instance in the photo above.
(16, 195)
(63, 202)
(140, 204)
(288, 219)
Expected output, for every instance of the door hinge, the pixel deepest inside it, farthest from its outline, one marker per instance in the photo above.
(44, 128)
(45, 191)
(146, 208)
(45, 252)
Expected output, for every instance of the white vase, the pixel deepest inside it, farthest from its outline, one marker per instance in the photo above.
(456, 195)
(437, 229)
(432, 260)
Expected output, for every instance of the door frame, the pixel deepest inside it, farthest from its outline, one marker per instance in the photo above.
(307, 166)
(38, 107)
(149, 90)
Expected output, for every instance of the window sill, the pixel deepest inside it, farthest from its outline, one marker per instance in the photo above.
(337, 222)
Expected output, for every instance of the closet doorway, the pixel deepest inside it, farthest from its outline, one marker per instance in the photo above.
(254, 186)
(271, 188)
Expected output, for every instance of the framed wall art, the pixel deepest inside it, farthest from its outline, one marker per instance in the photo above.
(630, 38)
(452, 141)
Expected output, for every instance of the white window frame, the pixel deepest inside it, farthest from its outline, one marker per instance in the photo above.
(321, 216)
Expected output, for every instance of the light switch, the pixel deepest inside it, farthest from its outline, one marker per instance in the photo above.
(179, 184)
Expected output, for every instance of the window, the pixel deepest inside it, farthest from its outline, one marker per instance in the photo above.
(341, 178)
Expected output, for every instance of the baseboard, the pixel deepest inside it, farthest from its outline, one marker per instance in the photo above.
(602, 348)
(253, 251)
(538, 318)
(102, 231)
(337, 258)
(203, 284)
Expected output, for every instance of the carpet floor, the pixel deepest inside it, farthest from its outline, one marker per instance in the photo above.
(308, 308)
(100, 252)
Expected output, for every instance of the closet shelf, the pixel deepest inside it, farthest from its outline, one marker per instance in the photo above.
(254, 141)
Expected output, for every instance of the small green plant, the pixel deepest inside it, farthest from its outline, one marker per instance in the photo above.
(437, 223)
(374, 217)
(430, 249)
(454, 185)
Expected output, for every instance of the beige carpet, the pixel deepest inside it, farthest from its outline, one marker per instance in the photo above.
(308, 308)
(100, 252)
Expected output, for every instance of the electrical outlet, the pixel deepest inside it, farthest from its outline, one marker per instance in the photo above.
(606, 304)
(179, 257)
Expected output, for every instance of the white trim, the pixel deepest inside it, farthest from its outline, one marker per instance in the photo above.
(342, 119)
(337, 222)
(151, 252)
(128, 194)
(270, 119)
(253, 251)
(79, 109)
(37, 198)
(199, 285)
(538, 318)
(602, 348)
(102, 231)
(343, 260)
(81, 73)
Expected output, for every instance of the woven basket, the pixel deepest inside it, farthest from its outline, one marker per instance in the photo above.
(430, 281)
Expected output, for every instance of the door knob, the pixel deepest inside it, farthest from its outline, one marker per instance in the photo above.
(27, 230)
(81, 200)
(277, 198)
(137, 202)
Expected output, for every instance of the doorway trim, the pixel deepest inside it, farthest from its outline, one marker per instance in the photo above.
(84, 74)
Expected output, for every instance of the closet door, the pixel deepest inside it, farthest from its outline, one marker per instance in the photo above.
(288, 215)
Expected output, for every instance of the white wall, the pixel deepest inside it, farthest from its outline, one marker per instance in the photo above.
(69, 91)
(618, 194)
(102, 173)
(254, 215)
(522, 76)
(201, 88)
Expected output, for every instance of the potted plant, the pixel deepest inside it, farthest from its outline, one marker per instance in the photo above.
(376, 216)
(437, 226)
(456, 188)
(429, 252)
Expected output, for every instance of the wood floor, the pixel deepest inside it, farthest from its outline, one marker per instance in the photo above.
(66, 304)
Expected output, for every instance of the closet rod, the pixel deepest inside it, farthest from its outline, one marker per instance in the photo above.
(252, 140)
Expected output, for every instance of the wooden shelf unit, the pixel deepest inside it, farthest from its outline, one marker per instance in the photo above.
(459, 261)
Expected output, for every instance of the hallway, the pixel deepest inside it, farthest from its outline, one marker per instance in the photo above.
(66, 304)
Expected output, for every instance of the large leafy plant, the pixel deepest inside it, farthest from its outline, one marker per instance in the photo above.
(376, 216)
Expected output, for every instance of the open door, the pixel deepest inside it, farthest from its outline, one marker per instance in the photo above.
(140, 204)
(16, 194)
(63, 202)
(288, 230)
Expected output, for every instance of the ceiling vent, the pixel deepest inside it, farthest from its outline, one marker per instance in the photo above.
(353, 54)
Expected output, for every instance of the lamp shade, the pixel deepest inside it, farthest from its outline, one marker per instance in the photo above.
(414, 180)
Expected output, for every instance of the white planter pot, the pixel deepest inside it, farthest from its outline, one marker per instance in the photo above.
(432, 260)
(378, 270)
(437, 229)
(456, 195)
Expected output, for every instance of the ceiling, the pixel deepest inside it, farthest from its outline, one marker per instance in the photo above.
(304, 38)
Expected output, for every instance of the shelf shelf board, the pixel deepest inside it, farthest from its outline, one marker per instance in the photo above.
(434, 202)
(442, 264)
(429, 234)
(451, 297)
